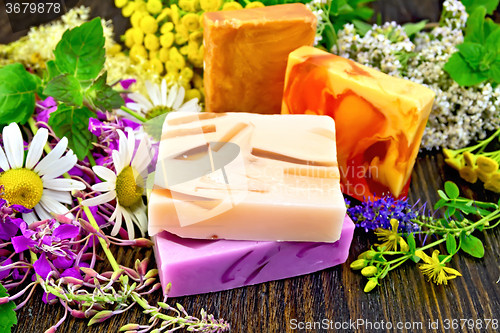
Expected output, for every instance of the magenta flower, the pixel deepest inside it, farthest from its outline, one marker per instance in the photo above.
(9, 224)
(127, 83)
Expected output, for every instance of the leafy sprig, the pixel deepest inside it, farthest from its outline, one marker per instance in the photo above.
(7, 314)
(455, 230)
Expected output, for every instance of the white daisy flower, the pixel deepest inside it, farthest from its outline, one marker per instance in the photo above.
(34, 183)
(126, 185)
(162, 100)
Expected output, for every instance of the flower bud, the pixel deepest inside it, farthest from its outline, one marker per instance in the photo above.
(4, 300)
(78, 314)
(367, 255)
(100, 317)
(369, 271)
(71, 280)
(89, 271)
(149, 282)
(168, 288)
(370, 286)
(130, 272)
(152, 273)
(87, 227)
(129, 327)
(116, 275)
(143, 242)
(358, 264)
(51, 330)
(61, 218)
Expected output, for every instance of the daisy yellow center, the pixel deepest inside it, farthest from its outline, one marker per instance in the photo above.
(128, 191)
(157, 111)
(21, 187)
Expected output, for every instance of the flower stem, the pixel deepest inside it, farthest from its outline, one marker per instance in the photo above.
(133, 113)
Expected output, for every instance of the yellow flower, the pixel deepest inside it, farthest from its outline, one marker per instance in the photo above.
(456, 162)
(153, 54)
(175, 14)
(167, 27)
(255, 4)
(391, 238)
(154, 6)
(191, 6)
(148, 24)
(129, 9)
(156, 66)
(129, 38)
(483, 176)
(166, 40)
(172, 68)
(191, 21)
(371, 284)
(197, 81)
(115, 49)
(151, 42)
(120, 3)
(176, 58)
(468, 174)
(233, 5)
(434, 269)
(187, 74)
(487, 164)
(163, 54)
(183, 30)
(470, 159)
(171, 77)
(164, 14)
(180, 39)
(192, 93)
(448, 153)
(138, 36)
(138, 52)
(136, 18)
(494, 183)
(210, 5)
(196, 36)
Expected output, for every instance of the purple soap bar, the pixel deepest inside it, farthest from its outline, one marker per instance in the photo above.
(195, 266)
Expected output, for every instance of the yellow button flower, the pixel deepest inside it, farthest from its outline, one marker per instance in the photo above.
(210, 5)
(167, 39)
(468, 174)
(151, 42)
(180, 39)
(129, 38)
(164, 54)
(166, 12)
(138, 36)
(129, 9)
(255, 4)
(176, 58)
(191, 6)
(183, 30)
(192, 93)
(157, 66)
(191, 21)
(113, 50)
(456, 162)
(184, 50)
(483, 176)
(121, 3)
(187, 74)
(196, 36)
(172, 68)
(136, 18)
(197, 81)
(153, 55)
(148, 24)
(487, 164)
(232, 6)
(171, 77)
(167, 27)
(470, 159)
(154, 6)
(138, 52)
(175, 14)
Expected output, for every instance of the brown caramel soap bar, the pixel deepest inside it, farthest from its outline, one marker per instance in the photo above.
(247, 176)
(246, 53)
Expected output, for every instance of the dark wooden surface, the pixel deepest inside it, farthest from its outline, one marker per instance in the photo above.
(335, 294)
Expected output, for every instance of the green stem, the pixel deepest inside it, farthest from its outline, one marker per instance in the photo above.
(91, 159)
(133, 113)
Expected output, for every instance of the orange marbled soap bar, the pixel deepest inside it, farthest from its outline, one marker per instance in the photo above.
(246, 53)
(379, 119)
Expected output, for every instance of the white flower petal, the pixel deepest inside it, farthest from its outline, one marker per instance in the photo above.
(172, 94)
(100, 199)
(129, 223)
(29, 218)
(14, 145)
(141, 100)
(140, 216)
(52, 206)
(4, 163)
(190, 106)
(36, 148)
(131, 145)
(61, 196)
(118, 220)
(44, 166)
(118, 162)
(154, 93)
(179, 99)
(135, 107)
(104, 173)
(164, 92)
(123, 147)
(41, 212)
(61, 166)
(63, 184)
(104, 187)
(143, 156)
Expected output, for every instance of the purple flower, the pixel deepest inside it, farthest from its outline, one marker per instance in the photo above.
(9, 224)
(22, 243)
(42, 266)
(127, 83)
(4, 262)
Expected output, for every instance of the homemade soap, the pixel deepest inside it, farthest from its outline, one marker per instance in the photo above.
(202, 266)
(246, 52)
(379, 119)
(247, 177)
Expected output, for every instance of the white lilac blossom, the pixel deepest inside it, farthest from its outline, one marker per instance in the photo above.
(316, 7)
(460, 114)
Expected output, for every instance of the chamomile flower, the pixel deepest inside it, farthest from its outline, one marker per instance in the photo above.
(34, 183)
(162, 100)
(126, 184)
(436, 270)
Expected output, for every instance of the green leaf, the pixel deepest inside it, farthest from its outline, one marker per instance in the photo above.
(413, 28)
(472, 245)
(415, 259)
(441, 257)
(461, 72)
(81, 51)
(52, 69)
(451, 190)
(451, 244)
(329, 37)
(17, 94)
(65, 88)
(345, 9)
(443, 195)
(364, 13)
(472, 53)
(439, 204)
(493, 42)
(73, 124)
(489, 27)
(355, 3)
(361, 27)
(336, 5)
(474, 31)
(8, 316)
(103, 97)
(490, 5)
(494, 72)
(410, 239)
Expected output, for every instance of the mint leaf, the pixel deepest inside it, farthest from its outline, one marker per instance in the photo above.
(73, 124)
(492, 43)
(361, 27)
(474, 31)
(65, 88)
(336, 5)
(494, 72)
(461, 72)
(7, 314)
(103, 97)
(472, 53)
(17, 94)
(490, 5)
(413, 28)
(80, 51)
(472, 245)
(489, 27)
(52, 69)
